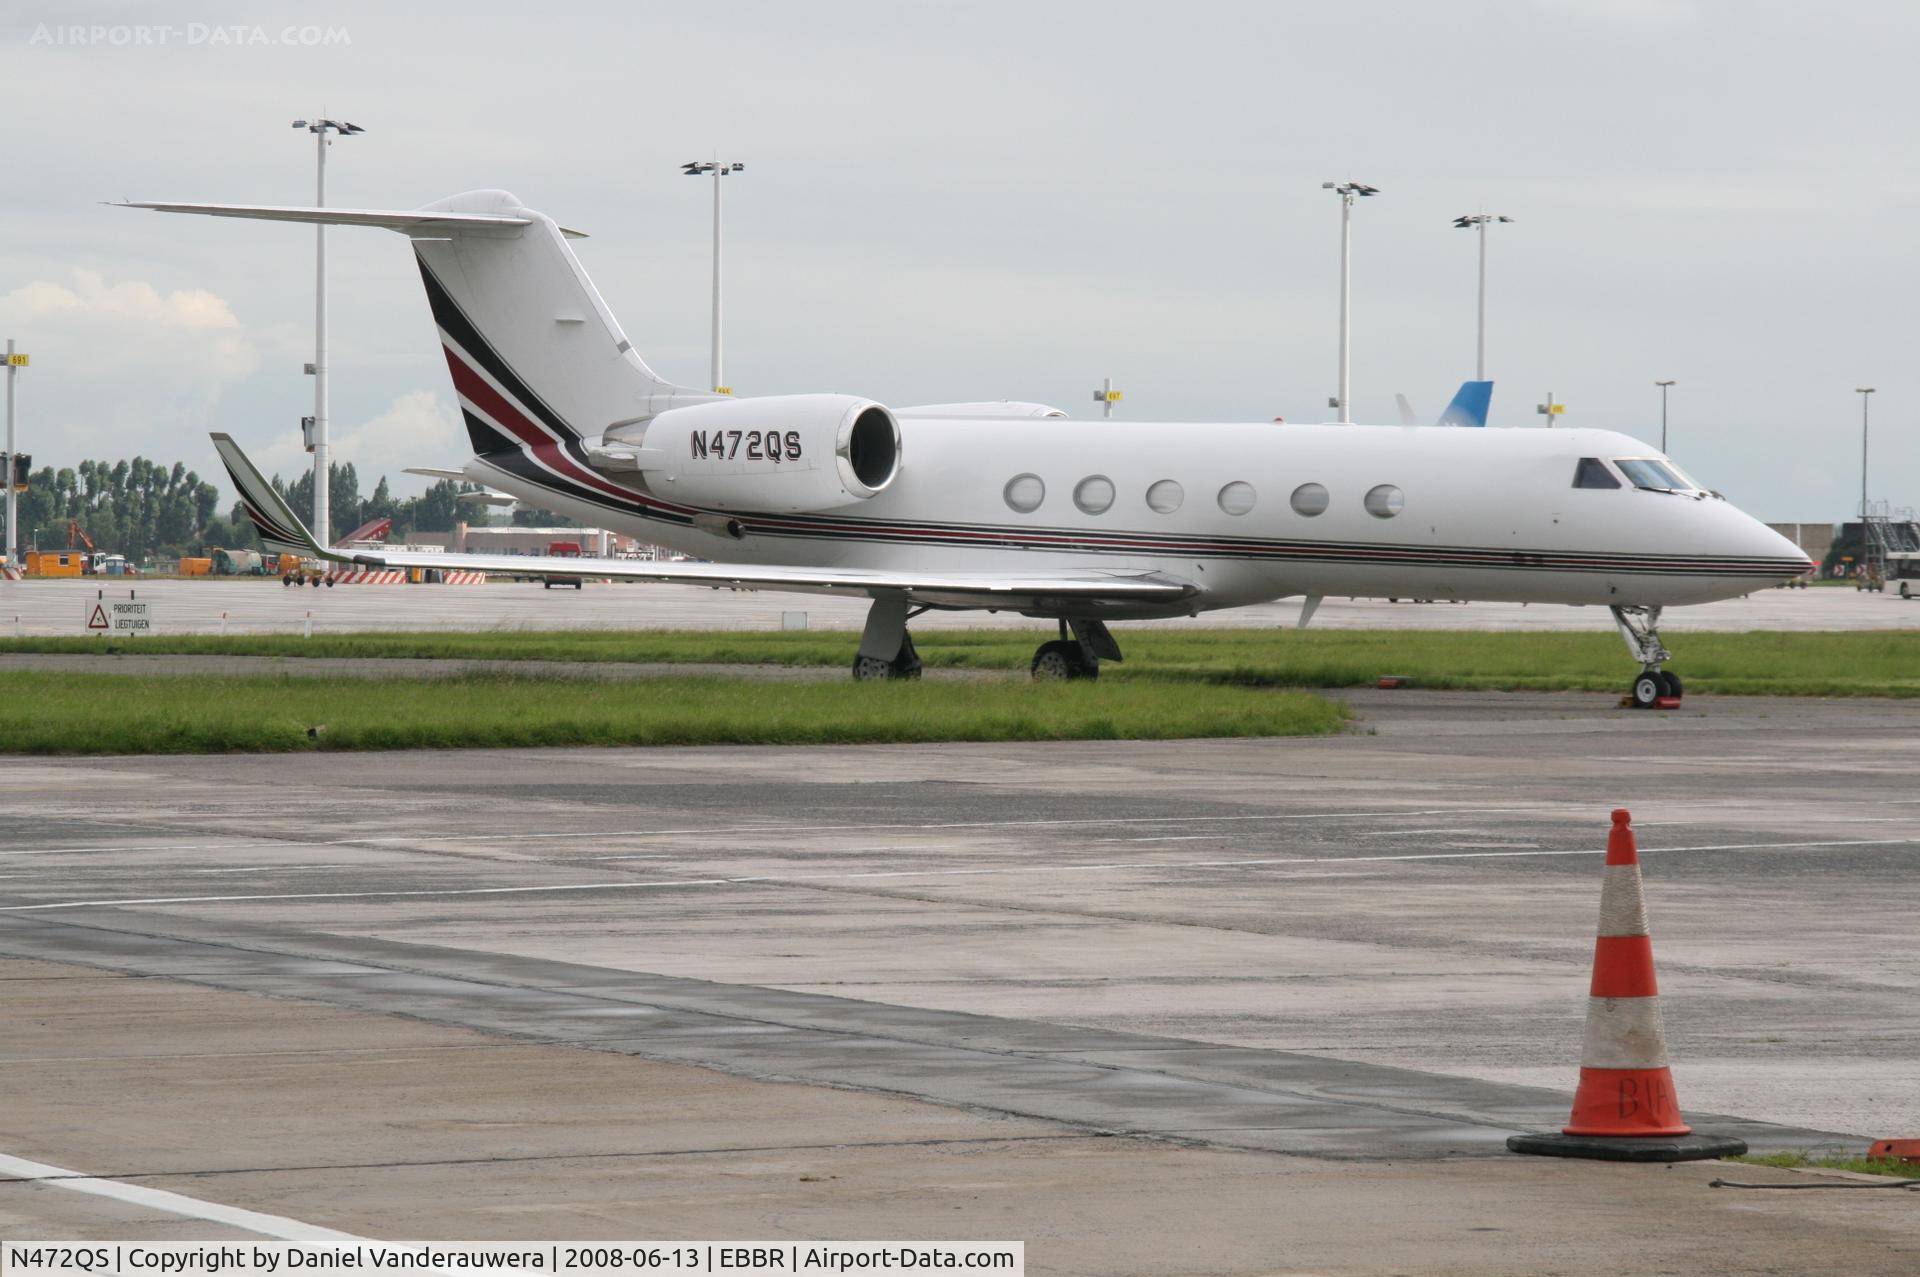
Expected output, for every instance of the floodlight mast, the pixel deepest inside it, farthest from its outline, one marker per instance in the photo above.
(1664, 387)
(322, 454)
(1348, 192)
(1863, 392)
(701, 168)
(1479, 221)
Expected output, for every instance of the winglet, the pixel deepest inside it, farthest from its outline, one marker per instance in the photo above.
(1469, 406)
(280, 528)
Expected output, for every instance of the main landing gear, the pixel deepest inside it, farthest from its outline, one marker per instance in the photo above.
(1077, 653)
(1640, 628)
(886, 649)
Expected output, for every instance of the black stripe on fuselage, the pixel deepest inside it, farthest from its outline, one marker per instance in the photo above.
(454, 322)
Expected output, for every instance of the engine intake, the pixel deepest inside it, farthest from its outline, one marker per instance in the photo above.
(781, 453)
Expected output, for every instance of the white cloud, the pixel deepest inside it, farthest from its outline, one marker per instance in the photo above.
(121, 367)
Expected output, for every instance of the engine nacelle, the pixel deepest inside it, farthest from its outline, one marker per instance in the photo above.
(780, 453)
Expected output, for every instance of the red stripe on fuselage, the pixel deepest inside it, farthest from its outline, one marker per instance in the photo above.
(548, 450)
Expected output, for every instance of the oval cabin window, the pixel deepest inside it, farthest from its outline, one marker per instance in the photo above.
(1165, 497)
(1237, 497)
(1093, 494)
(1309, 499)
(1385, 501)
(1025, 492)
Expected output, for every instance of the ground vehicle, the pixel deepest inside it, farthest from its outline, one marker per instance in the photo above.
(562, 550)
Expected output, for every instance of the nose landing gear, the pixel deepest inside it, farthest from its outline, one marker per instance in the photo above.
(1640, 628)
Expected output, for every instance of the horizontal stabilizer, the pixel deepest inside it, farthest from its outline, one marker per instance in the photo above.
(406, 221)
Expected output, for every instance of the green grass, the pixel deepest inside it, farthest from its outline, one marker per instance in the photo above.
(1858, 663)
(1806, 1161)
(60, 713)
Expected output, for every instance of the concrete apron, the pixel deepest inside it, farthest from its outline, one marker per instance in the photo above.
(1100, 1080)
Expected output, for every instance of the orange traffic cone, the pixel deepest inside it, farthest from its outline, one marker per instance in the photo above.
(1625, 1108)
(1626, 1087)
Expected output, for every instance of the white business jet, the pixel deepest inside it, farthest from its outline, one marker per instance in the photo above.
(1007, 506)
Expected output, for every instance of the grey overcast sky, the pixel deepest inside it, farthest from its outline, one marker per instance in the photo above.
(950, 200)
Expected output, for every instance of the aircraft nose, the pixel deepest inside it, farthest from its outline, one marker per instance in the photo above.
(1763, 544)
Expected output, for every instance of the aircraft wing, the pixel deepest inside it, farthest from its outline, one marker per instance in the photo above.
(281, 530)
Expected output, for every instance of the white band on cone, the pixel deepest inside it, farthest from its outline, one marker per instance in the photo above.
(1624, 1033)
(1623, 905)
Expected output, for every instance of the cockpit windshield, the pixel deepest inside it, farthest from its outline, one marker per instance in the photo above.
(1654, 475)
(1593, 473)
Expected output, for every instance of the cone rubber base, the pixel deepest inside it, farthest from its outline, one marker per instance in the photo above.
(1684, 1148)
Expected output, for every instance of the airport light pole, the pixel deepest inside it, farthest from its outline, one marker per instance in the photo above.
(1863, 392)
(1664, 387)
(9, 553)
(320, 128)
(701, 168)
(1479, 221)
(1348, 192)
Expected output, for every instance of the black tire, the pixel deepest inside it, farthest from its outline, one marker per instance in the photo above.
(1647, 689)
(1062, 660)
(871, 667)
(329, 583)
(1673, 685)
(1906, 589)
(546, 585)
(579, 585)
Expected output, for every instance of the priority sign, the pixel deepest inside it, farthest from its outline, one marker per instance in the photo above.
(119, 616)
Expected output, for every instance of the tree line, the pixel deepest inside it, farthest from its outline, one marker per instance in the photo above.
(147, 510)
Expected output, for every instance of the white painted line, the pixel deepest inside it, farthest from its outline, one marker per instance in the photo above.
(1404, 833)
(610, 835)
(280, 1226)
(777, 880)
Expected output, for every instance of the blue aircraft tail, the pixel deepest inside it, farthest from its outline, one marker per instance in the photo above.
(1469, 406)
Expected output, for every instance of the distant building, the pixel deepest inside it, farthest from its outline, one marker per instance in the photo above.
(1814, 539)
(468, 539)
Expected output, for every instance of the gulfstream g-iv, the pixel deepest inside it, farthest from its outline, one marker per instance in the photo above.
(1012, 507)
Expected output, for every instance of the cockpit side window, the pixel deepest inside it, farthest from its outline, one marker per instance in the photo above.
(1656, 476)
(1593, 473)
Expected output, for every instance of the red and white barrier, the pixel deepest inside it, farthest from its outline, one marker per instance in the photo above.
(10, 573)
(451, 577)
(367, 576)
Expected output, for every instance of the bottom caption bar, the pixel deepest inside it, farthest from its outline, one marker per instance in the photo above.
(510, 1259)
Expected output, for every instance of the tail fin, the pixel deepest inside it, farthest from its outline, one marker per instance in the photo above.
(1469, 406)
(537, 358)
(280, 528)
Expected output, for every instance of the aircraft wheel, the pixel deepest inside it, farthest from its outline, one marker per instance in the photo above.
(329, 583)
(906, 665)
(1060, 659)
(1648, 688)
(1906, 589)
(1672, 680)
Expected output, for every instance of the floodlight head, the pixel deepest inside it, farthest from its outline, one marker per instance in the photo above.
(1863, 390)
(738, 167)
(1361, 188)
(299, 124)
(1327, 186)
(1665, 383)
(1503, 219)
(351, 129)
(1463, 222)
